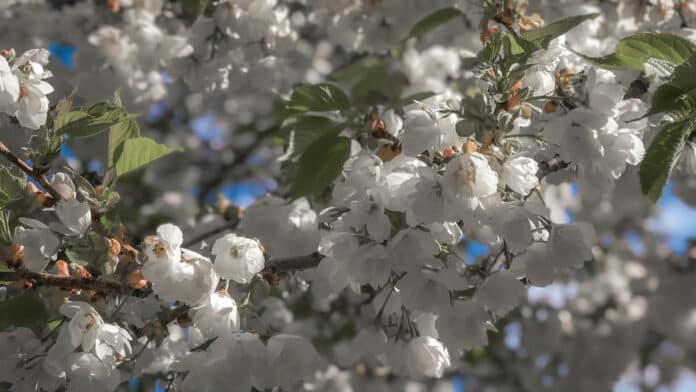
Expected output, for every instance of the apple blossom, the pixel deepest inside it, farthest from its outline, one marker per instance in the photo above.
(520, 174)
(237, 258)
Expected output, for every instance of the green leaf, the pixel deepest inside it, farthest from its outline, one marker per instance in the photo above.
(434, 20)
(678, 96)
(377, 86)
(355, 69)
(138, 152)
(79, 124)
(26, 310)
(92, 250)
(516, 46)
(12, 185)
(118, 135)
(320, 164)
(633, 52)
(542, 36)
(662, 155)
(260, 290)
(5, 231)
(303, 131)
(193, 8)
(53, 325)
(321, 97)
(491, 48)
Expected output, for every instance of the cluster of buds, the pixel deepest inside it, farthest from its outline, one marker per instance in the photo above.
(391, 148)
(512, 14)
(514, 102)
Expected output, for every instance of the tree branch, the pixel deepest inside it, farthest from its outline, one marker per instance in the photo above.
(66, 282)
(38, 176)
(552, 165)
(295, 263)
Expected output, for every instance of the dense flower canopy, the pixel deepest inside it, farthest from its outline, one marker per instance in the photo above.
(347, 195)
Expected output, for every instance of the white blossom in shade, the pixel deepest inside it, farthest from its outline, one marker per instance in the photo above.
(240, 357)
(446, 232)
(88, 333)
(331, 380)
(362, 173)
(64, 185)
(463, 326)
(514, 224)
(500, 293)
(468, 178)
(604, 91)
(275, 314)
(367, 346)
(285, 229)
(75, 216)
(538, 265)
(218, 316)
(421, 132)
(283, 352)
(85, 324)
(370, 215)
(571, 245)
(540, 81)
(87, 373)
(398, 183)
(39, 246)
(237, 258)
(520, 174)
(687, 164)
(18, 344)
(426, 356)
(429, 69)
(9, 88)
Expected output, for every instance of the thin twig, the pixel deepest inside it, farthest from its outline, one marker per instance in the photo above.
(295, 263)
(37, 175)
(65, 282)
(218, 230)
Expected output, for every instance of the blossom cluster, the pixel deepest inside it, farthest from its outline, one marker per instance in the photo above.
(430, 138)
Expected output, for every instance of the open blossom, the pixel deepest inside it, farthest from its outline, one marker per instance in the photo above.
(9, 87)
(237, 258)
(177, 274)
(75, 216)
(87, 332)
(426, 356)
(32, 106)
(64, 185)
(218, 316)
(39, 246)
(468, 178)
(520, 174)
(421, 132)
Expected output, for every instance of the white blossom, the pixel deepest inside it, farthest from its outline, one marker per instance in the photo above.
(75, 216)
(9, 88)
(218, 316)
(468, 178)
(520, 174)
(237, 258)
(427, 357)
(39, 246)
